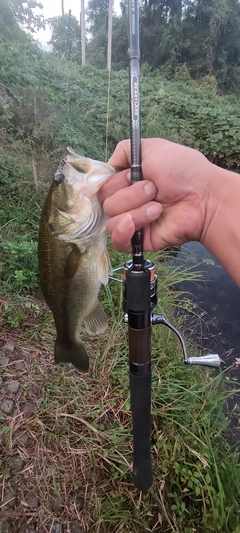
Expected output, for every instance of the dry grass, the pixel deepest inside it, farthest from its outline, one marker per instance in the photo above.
(78, 435)
(76, 441)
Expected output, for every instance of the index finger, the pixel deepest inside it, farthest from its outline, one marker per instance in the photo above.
(122, 155)
(115, 183)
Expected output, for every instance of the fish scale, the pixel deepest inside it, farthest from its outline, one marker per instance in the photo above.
(73, 259)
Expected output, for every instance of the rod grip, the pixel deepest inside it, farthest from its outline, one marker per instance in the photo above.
(140, 387)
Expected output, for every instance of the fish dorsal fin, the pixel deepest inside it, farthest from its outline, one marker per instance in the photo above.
(97, 322)
(73, 262)
(92, 225)
(105, 267)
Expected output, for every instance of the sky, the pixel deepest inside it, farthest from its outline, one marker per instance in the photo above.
(53, 8)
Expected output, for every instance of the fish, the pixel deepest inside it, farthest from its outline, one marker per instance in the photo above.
(72, 254)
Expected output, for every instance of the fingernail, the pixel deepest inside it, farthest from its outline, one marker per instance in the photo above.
(128, 175)
(154, 210)
(124, 223)
(150, 189)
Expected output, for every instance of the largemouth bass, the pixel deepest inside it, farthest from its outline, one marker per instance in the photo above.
(73, 259)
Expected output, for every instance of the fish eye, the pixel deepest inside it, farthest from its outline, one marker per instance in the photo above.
(59, 177)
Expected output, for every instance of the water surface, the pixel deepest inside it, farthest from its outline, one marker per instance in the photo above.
(217, 300)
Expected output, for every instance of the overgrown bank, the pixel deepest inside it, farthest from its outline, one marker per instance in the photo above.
(47, 103)
(79, 448)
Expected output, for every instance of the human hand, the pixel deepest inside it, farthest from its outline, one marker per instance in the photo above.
(171, 203)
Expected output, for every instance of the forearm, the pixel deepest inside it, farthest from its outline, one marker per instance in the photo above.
(221, 234)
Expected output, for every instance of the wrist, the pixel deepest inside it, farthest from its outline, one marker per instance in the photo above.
(220, 234)
(214, 201)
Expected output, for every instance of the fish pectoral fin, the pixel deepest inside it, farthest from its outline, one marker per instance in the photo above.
(74, 353)
(73, 262)
(105, 267)
(97, 322)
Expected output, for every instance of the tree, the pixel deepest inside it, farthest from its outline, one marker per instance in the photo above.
(97, 14)
(98, 24)
(66, 37)
(16, 15)
(211, 37)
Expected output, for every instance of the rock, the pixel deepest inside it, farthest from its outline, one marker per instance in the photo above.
(57, 528)
(16, 463)
(79, 502)
(6, 527)
(56, 504)
(22, 440)
(30, 528)
(10, 498)
(28, 407)
(76, 528)
(20, 366)
(9, 347)
(13, 387)
(4, 360)
(7, 406)
(24, 352)
(33, 501)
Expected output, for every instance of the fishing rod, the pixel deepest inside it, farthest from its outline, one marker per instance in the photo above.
(140, 291)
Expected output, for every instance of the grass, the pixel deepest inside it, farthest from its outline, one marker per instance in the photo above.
(78, 458)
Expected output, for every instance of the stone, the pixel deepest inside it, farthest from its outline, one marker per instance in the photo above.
(16, 463)
(57, 527)
(20, 366)
(28, 407)
(10, 498)
(76, 528)
(24, 352)
(13, 387)
(22, 439)
(6, 527)
(30, 528)
(9, 347)
(56, 504)
(79, 502)
(7, 406)
(33, 501)
(4, 360)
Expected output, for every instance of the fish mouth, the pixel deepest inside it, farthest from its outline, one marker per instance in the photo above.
(77, 168)
(89, 171)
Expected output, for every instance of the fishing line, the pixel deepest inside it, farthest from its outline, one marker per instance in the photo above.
(108, 114)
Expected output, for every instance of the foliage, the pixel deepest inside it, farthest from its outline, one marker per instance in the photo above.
(66, 37)
(16, 14)
(85, 422)
(97, 13)
(46, 103)
(203, 35)
(19, 265)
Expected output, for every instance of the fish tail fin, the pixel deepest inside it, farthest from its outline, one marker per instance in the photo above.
(96, 322)
(75, 354)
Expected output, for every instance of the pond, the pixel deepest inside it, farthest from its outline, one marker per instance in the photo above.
(215, 328)
(217, 300)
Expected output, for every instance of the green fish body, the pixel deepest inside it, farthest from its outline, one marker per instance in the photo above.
(73, 259)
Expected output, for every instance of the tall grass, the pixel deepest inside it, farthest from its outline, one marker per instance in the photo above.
(78, 461)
